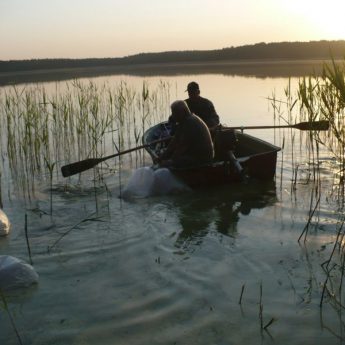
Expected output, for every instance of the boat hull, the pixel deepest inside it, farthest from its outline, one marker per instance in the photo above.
(258, 158)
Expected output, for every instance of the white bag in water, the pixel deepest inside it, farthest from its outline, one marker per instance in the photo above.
(15, 273)
(140, 184)
(166, 183)
(147, 182)
(4, 224)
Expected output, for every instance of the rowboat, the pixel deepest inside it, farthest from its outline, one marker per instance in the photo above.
(256, 157)
(253, 157)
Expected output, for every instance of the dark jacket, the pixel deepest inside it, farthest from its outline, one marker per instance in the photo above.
(204, 108)
(191, 145)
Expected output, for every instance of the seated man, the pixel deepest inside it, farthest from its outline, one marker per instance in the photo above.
(201, 107)
(191, 145)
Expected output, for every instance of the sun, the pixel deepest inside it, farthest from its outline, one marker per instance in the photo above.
(328, 17)
(323, 19)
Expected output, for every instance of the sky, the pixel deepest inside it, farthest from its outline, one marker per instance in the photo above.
(34, 29)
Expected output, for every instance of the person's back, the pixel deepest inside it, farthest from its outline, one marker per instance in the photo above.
(201, 106)
(192, 144)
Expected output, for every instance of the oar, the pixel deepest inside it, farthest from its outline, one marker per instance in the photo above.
(86, 164)
(303, 126)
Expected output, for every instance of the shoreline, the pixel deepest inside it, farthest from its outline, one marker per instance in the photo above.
(268, 68)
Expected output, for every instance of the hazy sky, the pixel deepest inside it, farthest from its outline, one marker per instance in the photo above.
(114, 28)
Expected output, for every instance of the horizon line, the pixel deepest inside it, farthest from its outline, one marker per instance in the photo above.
(172, 51)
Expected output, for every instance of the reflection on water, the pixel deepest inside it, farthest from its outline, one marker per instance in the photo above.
(253, 68)
(220, 209)
(169, 269)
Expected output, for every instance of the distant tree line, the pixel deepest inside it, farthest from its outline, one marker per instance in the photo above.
(282, 50)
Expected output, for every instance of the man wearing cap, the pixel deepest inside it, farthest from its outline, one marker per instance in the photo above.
(200, 106)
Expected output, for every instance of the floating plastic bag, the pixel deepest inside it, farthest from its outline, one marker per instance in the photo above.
(166, 183)
(15, 273)
(4, 224)
(146, 182)
(140, 183)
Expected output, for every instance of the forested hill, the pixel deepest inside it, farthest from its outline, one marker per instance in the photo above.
(283, 50)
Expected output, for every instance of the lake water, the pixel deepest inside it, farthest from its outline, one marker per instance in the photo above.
(173, 269)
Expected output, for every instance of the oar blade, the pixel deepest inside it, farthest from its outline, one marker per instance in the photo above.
(313, 126)
(78, 167)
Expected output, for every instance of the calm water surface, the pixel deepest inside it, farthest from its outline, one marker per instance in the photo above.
(170, 269)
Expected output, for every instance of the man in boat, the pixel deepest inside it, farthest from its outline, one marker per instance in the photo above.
(224, 143)
(191, 145)
(201, 106)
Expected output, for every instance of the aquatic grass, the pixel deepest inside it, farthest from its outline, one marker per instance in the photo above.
(13, 324)
(283, 111)
(317, 98)
(41, 130)
(241, 295)
(261, 308)
(50, 167)
(269, 323)
(335, 261)
(93, 217)
(278, 112)
(310, 218)
(263, 327)
(323, 98)
(27, 238)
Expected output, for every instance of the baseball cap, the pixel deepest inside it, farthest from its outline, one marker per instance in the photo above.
(193, 86)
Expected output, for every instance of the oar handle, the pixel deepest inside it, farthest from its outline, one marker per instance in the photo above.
(86, 164)
(134, 149)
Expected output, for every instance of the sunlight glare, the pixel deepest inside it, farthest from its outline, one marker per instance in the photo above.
(324, 19)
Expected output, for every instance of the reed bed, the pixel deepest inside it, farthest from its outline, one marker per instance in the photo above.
(41, 130)
(322, 98)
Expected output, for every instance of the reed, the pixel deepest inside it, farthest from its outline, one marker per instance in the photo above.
(241, 295)
(13, 324)
(261, 308)
(42, 130)
(323, 98)
(320, 98)
(27, 238)
(90, 218)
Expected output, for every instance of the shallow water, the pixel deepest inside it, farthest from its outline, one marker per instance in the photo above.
(170, 269)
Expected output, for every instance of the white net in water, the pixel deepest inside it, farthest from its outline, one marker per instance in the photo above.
(146, 182)
(4, 224)
(15, 273)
